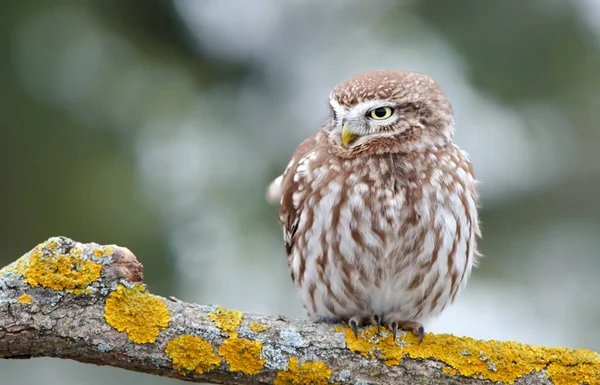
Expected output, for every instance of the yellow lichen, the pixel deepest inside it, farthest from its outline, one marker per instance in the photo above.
(226, 320)
(242, 355)
(25, 298)
(372, 345)
(45, 266)
(192, 353)
(582, 370)
(309, 373)
(492, 360)
(448, 370)
(139, 314)
(257, 327)
(51, 244)
(103, 252)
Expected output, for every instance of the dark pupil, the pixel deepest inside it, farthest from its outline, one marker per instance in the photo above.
(380, 112)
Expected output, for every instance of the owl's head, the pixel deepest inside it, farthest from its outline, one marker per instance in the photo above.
(389, 111)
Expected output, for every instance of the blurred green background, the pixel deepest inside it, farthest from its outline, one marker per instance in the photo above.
(157, 125)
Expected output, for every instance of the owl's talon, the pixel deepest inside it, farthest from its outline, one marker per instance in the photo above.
(421, 331)
(377, 320)
(354, 326)
(394, 327)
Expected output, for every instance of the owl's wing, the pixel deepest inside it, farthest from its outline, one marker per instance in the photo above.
(273, 195)
(293, 188)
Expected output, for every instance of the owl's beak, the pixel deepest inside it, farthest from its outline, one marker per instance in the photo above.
(347, 135)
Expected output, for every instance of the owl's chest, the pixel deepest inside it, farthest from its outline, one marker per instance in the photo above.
(368, 204)
(363, 200)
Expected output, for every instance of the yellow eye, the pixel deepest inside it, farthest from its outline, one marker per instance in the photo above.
(381, 113)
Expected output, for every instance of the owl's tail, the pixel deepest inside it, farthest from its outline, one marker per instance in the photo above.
(273, 195)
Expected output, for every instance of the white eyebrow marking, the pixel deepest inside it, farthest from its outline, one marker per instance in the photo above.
(339, 110)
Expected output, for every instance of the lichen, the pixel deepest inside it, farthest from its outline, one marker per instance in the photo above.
(139, 314)
(48, 267)
(309, 373)
(372, 345)
(226, 320)
(16, 267)
(105, 251)
(448, 370)
(242, 355)
(258, 327)
(192, 353)
(291, 338)
(491, 360)
(25, 298)
(575, 370)
(345, 375)
(105, 347)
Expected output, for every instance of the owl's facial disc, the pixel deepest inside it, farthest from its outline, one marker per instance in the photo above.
(391, 110)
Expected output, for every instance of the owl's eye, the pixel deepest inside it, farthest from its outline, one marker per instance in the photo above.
(380, 113)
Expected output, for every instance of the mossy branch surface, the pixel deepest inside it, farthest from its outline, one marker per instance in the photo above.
(87, 302)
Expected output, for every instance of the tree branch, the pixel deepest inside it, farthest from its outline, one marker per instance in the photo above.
(86, 302)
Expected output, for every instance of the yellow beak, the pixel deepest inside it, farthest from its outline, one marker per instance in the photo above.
(347, 136)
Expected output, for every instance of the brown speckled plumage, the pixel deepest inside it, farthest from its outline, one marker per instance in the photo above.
(381, 229)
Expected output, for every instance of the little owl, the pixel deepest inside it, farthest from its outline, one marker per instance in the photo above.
(379, 208)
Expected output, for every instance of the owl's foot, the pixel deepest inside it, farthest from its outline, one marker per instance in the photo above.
(415, 328)
(356, 322)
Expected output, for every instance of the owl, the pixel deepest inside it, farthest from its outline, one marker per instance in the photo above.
(379, 208)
